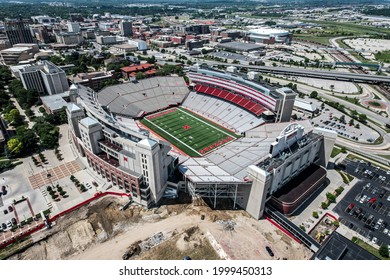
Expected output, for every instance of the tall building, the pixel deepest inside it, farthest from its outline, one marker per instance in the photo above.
(126, 28)
(54, 78)
(44, 77)
(31, 78)
(18, 31)
(73, 27)
(139, 166)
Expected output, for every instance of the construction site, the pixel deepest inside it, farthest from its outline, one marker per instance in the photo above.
(102, 230)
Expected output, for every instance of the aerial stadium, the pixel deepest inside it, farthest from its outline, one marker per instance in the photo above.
(221, 137)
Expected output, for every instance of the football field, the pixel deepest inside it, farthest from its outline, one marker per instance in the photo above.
(189, 132)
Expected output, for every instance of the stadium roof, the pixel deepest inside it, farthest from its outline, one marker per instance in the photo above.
(144, 96)
(229, 163)
(239, 46)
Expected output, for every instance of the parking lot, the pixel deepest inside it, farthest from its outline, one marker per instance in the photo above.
(366, 207)
(335, 121)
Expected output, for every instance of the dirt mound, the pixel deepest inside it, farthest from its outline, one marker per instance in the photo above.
(190, 242)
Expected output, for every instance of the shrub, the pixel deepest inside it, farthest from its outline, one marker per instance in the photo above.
(339, 190)
(336, 223)
(331, 197)
(354, 239)
(302, 228)
(315, 214)
(383, 251)
(324, 205)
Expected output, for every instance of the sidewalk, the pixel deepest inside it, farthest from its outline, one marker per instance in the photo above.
(306, 218)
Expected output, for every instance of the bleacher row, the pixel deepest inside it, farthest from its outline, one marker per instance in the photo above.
(241, 101)
(222, 112)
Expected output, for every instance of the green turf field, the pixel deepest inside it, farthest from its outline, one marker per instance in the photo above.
(189, 132)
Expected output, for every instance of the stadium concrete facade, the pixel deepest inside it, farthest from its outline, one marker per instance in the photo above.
(261, 155)
(269, 36)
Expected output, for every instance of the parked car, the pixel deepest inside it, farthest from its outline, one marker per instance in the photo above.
(374, 240)
(349, 208)
(269, 251)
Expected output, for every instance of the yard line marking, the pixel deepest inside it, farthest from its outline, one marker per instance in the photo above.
(174, 137)
(206, 123)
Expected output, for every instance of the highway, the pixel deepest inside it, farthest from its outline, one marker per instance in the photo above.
(322, 74)
(367, 149)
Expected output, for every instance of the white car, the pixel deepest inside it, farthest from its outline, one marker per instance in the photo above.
(388, 199)
(363, 199)
(385, 231)
(374, 240)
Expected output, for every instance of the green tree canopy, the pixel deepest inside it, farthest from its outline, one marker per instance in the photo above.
(15, 146)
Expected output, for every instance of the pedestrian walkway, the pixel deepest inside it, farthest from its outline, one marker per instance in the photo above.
(49, 176)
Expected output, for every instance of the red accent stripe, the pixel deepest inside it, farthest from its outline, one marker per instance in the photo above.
(282, 229)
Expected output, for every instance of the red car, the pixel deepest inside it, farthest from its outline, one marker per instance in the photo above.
(372, 200)
(349, 208)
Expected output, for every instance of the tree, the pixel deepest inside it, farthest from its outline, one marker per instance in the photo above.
(315, 214)
(204, 51)
(139, 76)
(28, 139)
(15, 146)
(12, 116)
(384, 251)
(313, 94)
(363, 118)
(351, 122)
(151, 60)
(331, 197)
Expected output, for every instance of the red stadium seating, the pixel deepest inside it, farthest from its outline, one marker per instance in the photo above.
(239, 100)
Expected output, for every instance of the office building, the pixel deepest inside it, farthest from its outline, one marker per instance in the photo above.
(18, 31)
(126, 28)
(45, 77)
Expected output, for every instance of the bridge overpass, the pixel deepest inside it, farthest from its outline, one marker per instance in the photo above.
(321, 74)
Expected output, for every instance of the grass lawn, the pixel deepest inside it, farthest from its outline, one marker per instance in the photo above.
(343, 28)
(189, 132)
(335, 152)
(313, 38)
(383, 56)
